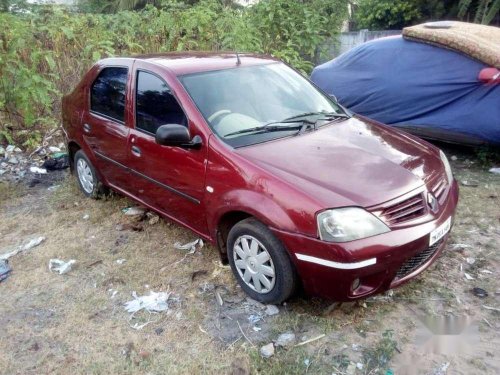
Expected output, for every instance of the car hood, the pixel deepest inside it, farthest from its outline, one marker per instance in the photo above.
(350, 162)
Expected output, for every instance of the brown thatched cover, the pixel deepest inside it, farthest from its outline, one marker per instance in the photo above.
(478, 41)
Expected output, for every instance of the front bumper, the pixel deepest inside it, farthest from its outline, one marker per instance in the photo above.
(379, 263)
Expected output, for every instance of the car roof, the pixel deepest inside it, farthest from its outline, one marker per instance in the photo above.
(181, 63)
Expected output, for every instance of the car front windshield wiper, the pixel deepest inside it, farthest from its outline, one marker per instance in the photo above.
(269, 127)
(327, 115)
(272, 127)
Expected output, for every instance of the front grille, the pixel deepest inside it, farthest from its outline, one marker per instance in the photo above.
(408, 209)
(417, 260)
(439, 190)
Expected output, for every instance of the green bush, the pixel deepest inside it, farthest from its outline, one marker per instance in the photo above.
(44, 52)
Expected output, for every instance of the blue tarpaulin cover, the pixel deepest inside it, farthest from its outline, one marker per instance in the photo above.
(411, 84)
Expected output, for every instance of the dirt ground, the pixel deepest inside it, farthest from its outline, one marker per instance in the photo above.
(76, 323)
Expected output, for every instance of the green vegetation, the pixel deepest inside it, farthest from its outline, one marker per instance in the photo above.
(389, 14)
(45, 50)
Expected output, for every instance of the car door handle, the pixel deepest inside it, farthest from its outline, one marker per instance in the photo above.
(86, 128)
(136, 151)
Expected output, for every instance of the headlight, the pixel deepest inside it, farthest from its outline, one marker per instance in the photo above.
(447, 168)
(348, 224)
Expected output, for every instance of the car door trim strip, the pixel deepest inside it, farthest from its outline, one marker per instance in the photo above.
(331, 264)
(166, 187)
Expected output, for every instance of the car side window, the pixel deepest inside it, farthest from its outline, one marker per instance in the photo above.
(107, 96)
(155, 104)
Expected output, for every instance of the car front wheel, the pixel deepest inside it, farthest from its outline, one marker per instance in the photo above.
(260, 262)
(86, 175)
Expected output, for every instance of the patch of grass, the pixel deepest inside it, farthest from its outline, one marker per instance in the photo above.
(10, 191)
(487, 155)
(377, 357)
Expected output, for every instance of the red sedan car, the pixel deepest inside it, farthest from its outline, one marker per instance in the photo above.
(252, 157)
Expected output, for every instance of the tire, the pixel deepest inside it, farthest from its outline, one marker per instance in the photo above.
(246, 265)
(87, 178)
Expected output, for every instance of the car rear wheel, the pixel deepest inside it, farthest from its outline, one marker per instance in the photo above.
(87, 178)
(260, 262)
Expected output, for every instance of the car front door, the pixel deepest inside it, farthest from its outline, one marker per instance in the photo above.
(106, 123)
(171, 179)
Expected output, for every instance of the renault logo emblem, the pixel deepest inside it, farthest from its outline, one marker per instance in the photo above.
(432, 201)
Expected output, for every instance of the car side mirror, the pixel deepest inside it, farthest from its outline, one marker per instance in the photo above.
(177, 136)
(489, 75)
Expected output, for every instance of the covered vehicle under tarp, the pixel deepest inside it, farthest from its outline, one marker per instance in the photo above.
(428, 90)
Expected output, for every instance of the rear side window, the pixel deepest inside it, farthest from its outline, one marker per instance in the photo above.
(107, 96)
(155, 104)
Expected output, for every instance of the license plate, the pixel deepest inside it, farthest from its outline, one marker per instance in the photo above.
(439, 232)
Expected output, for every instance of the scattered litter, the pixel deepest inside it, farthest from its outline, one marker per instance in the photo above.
(355, 347)
(307, 363)
(486, 271)
(495, 170)
(468, 277)
(191, 246)
(5, 270)
(54, 149)
(470, 183)
(460, 246)
(134, 211)
(10, 148)
(286, 340)
(479, 292)
(57, 265)
(121, 261)
(311, 340)
(267, 351)
(53, 187)
(257, 329)
(28, 246)
(86, 217)
(470, 260)
(441, 369)
(195, 274)
(38, 170)
(57, 162)
(359, 365)
(13, 160)
(272, 310)
(154, 302)
(454, 158)
(219, 298)
(491, 308)
(113, 292)
(254, 318)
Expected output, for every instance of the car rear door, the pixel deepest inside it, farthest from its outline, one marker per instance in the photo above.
(171, 179)
(106, 123)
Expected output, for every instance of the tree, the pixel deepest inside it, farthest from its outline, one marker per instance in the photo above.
(386, 14)
(482, 11)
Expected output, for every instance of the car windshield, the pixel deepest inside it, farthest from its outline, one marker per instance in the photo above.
(241, 103)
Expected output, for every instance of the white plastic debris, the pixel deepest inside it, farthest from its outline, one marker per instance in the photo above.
(468, 277)
(470, 260)
(267, 351)
(359, 365)
(86, 217)
(58, 265)
(154, 302)
(495, 170)
(28, 246)
(191, 246)
(486, 271)
(38, 170)
(272, 310)
(54, 149)
(134, 211)
(121, 261)
(10, 148)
